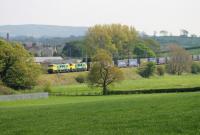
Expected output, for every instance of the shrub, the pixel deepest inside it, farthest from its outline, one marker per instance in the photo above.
(180, 60)
(47, 88)
(81, 78)
(160, 70)
(5, 90)
(147, 69)
(195, 69)
(22, 76)
(17, 67)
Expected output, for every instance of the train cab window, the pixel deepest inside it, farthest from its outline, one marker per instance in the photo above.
(50, 66)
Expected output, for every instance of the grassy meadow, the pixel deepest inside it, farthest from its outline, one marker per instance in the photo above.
(152, 114)
(138, 114)
(194, 51)
(66, 83)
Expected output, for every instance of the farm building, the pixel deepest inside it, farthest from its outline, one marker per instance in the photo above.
(48, 60)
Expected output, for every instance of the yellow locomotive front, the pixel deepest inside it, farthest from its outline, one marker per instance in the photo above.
(52, 68)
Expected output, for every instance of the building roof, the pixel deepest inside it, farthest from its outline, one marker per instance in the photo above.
(47, 59)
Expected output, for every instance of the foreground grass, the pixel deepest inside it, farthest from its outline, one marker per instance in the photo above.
(158, 114)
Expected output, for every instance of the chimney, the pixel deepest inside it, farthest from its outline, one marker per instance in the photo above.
(7, 36)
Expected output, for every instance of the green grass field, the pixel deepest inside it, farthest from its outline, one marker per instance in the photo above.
(194, 51)
(152, 114)
(156, 82)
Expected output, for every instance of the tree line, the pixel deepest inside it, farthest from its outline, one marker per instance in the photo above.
(121, 41)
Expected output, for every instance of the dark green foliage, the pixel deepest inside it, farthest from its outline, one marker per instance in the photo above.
(143, 51)
(160, 70)
(154, 45)
(195, 69)
(147, 69)
(81, 78)
(151, 91)
(73, 49)
(17, 68)
(21, 75)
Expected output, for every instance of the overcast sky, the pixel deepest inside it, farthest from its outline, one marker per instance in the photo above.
(144, 15)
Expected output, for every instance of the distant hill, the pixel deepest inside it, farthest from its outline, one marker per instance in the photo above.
(38, 31)
(52, 34)
(186, 42)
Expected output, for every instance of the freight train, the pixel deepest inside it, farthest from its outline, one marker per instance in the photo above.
(158, 61)
(137, 62)
(83, 66)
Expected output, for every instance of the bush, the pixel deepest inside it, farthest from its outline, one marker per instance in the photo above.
(160, 70)
(17, 67)
(147, 69)
(47, 88)
(22, 76)
(180, 60)
(195, 69)
(5, 90)
(81, 78)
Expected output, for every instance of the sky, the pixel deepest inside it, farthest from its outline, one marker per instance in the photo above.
(144, 15)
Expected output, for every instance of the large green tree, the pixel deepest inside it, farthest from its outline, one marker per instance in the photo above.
(103, 73)
(142, 50)
(115, 38)
(180, 60)
(17, 67)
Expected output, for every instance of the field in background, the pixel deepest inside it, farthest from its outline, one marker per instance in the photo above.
(165, 82)
(60, 78)
(152, 114)
(194, 51)
(69, 78)
(66, 83)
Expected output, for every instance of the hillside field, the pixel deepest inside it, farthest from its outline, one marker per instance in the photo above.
(66, 83)
(152, 114)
